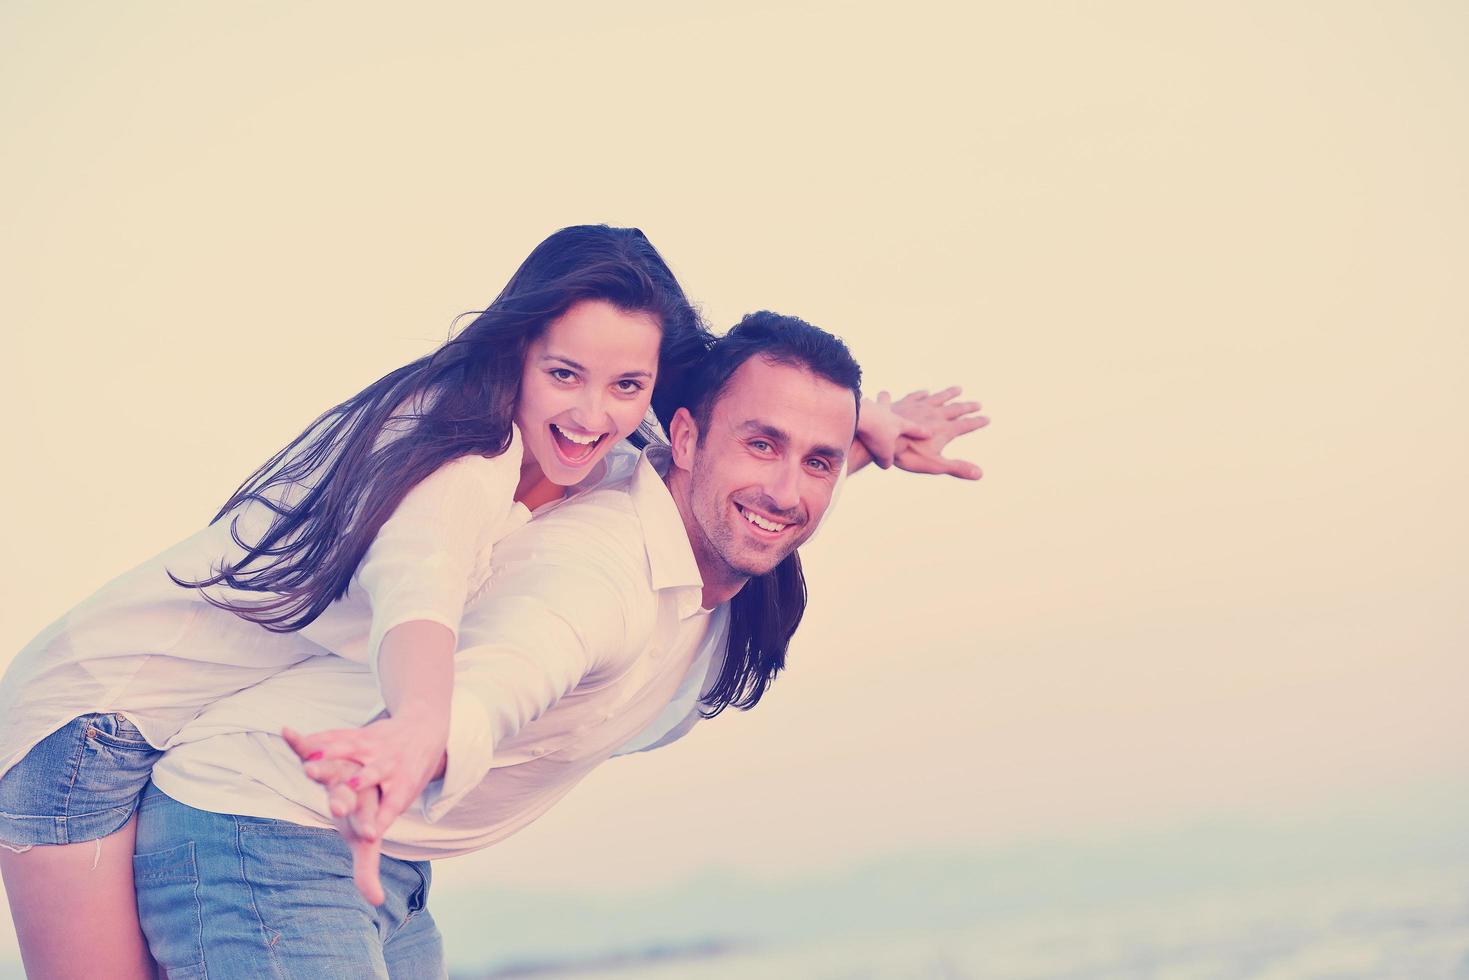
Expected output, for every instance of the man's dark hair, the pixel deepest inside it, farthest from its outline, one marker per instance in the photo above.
(776, 338)
(763, 615)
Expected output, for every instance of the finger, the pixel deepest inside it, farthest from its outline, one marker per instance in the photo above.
(296, 741)
(961, 426)
(330, 772)
(368, 778)
(955, 409)
(366, 856)
(943, 396)
(963, 469)
(916, 461)
(341, 800)
(306, 746)
(353, 749)
(943, 466)
(884, 399)
(317, 739)
(363, 818)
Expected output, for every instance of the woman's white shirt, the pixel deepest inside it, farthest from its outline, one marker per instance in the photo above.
(159, 653)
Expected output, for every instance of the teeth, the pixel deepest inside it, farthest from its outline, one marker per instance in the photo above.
(570, 437)
(762, 523)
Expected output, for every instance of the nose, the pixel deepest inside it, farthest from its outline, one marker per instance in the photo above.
(783, 485)
(590, 411)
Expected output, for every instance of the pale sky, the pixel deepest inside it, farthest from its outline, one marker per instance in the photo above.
(1203, 265)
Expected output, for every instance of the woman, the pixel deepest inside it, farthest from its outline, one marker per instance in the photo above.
(363, 537)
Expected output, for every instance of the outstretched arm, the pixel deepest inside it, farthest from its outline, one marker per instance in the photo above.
(416, 576)
(914, 432)
(556, 614)
(403, 751)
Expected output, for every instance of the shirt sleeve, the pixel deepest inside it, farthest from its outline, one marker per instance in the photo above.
(571, 604)
(421, 565)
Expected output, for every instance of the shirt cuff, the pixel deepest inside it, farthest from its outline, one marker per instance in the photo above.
(471, 746)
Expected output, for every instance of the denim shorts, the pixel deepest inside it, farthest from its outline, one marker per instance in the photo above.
(231, 897)
(80, 783)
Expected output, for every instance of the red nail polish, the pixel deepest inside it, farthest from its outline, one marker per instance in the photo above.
(315, 755)
(352, 782)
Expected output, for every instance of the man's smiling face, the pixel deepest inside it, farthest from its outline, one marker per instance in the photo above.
(762, 471)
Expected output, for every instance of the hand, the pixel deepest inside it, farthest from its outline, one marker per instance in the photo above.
(371, 775)
(946, 420)
(881, 429)
(400, 755)
(351, 810)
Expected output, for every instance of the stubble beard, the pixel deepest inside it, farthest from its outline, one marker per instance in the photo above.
(722, 538)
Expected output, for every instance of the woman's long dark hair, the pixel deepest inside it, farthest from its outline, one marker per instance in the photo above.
(331, 489)
(764, 614)
(763, 617)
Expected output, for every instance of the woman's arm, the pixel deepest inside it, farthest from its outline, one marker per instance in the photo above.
(913, 433)
(417, 576)
(544, 627)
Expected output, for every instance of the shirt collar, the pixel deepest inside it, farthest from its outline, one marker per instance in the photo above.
(671, 562)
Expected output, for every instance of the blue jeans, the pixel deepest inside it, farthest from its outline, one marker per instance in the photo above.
(225, 897)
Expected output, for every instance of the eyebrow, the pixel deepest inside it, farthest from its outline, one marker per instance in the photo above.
(575, 366)
(759, 428)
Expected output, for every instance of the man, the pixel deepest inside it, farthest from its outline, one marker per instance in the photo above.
(592, 627)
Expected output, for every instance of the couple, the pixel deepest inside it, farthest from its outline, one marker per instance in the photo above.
(649, 591)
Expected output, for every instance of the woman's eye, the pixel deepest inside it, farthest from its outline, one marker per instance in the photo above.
(563, 374)
(629, 387)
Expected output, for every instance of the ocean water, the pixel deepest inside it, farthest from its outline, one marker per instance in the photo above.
(1374, 890)
(1404, 927)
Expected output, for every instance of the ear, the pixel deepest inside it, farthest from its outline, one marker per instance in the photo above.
(683, 438)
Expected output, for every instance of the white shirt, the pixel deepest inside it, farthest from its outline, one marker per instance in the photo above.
(591, 626)
(159, 652)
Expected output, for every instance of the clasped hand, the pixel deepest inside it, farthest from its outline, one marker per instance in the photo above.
(372, 774)
(913, 432)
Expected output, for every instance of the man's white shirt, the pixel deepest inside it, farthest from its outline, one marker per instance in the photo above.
(588, 641)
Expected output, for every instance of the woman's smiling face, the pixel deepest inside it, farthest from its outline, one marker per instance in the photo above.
(586, 383)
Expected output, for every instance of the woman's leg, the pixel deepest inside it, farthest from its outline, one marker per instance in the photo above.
(74, 908)
(66, 849)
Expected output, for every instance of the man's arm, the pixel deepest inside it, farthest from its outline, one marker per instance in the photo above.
(559, 618)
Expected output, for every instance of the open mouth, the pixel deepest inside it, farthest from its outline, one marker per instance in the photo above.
(575, 447)
(762, 524)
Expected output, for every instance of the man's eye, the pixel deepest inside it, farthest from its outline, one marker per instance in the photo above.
(819, 464)
(760, 445)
